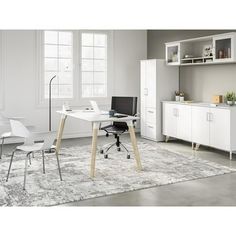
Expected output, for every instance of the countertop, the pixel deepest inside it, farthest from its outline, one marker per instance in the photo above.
(203, 104)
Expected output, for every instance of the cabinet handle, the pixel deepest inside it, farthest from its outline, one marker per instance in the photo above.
(150, 127)
(207, 116)
(151, 111)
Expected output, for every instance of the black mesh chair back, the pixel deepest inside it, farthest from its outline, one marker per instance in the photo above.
(124, 105)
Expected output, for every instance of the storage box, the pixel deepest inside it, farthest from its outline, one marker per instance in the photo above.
(217, 99)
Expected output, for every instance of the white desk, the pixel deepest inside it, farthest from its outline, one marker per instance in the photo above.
(96, 120)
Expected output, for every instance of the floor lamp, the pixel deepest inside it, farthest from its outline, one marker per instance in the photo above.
(50, 109)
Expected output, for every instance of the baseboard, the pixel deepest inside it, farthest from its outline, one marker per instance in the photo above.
(65, 136)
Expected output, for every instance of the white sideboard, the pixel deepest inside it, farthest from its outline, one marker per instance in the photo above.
(201, 123)
(158, 82)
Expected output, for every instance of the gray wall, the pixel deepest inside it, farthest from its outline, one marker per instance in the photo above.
(198, 82)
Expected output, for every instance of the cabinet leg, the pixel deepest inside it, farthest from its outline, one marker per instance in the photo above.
(192, 145)
(230, 155)
(167, 138)
(197, 146)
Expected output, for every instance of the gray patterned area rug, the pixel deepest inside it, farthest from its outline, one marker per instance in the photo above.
(114, 175)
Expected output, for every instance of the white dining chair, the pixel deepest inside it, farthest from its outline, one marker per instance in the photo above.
(4, 124)
(5, 132)
(29, 146)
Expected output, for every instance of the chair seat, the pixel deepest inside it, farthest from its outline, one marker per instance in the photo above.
(114, 129)
(6, 135)
(30, 148)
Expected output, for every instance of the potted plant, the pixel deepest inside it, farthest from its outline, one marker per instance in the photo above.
(177, 96)
(181, 97)
(230, 98)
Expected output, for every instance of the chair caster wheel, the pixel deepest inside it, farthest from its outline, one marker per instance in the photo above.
(101, 151)
(105, 156)
(128, 156)
(107, 135)
(118, 149)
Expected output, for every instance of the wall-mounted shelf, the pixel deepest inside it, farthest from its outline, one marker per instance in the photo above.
(215, 49)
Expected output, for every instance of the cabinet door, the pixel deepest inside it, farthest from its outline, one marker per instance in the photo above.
(170, 119)
(150, 87)
(173, 54)
(223, 48)
(200, 125)
(220, 128)
(151, 131)
(184, 122)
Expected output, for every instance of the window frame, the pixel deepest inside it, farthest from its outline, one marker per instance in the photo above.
(57, 59)
(42, 101)
(77, 100)
(110, 79)
(93, 71)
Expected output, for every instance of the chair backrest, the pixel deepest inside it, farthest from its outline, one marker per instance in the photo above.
(124, 105)
(48, 140)
(18, 129)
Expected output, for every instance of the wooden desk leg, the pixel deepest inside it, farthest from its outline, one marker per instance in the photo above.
(134, 144)
(60, 132)
(94, 149)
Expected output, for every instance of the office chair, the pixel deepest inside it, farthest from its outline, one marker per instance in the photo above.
(123, 105)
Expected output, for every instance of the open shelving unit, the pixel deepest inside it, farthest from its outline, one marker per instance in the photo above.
(216, 49)
(197, 60)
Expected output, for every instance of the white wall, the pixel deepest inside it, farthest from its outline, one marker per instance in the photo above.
(20, 82)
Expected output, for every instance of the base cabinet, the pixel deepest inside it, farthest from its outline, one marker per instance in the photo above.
(200, 125)
(177, 121)
(219, 121)
(203, 125)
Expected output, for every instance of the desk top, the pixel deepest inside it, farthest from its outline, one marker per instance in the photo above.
(92, 117)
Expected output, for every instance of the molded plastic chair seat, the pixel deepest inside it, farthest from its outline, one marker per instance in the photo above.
(19, 130)
(30, 148)
(6, 135)
(5, 124)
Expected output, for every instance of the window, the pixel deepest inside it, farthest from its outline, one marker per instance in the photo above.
(82, 62)
(94, 64)
(58, 60)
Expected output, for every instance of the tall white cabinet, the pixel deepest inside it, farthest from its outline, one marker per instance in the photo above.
(158, 83)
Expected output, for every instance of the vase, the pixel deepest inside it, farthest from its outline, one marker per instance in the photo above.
(230, 103)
